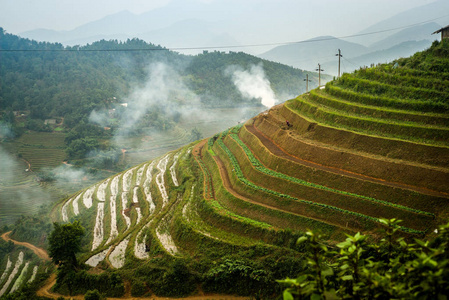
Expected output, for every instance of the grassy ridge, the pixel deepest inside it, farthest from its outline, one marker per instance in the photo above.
(373, 126)
(383, 101)
(324, 99)
(358, 84)
(279, 218)
(361, 144)
(261, 168)
(244, 180)
(337, 181)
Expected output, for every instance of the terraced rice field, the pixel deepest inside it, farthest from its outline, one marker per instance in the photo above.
(20, 193)
(346, 158)
(41, 149)
(17, 271)
(208, 121)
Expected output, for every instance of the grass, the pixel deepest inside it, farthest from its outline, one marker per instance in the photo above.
(40, 149)
(289, 166)
(195, 233)
(261, 168)
(367, 206)
(320, 97)
(384, 101)
(357, 84)
(383, 148)
(374, 126)
(414, 79)
(244, 180)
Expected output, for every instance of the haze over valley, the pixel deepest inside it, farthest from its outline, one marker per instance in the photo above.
(257, 149)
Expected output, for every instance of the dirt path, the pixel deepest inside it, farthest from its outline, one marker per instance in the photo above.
(278, 151)
(29, 165)
(38, 251)
(45, 292)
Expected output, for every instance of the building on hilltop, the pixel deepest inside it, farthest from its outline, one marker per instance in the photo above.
(444, 32)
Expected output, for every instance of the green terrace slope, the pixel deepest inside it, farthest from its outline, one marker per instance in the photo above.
(370, 145)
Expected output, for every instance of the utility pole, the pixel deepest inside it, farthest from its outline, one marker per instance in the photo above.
(319, 74)
(339, 56)
(307, 82)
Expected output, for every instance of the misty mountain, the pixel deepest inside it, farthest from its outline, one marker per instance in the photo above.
(415, 33)
(234, 20)
(184, 21)
(432, 11)
(349, 64)
(307, 55)
(401, 44)
(189, 34)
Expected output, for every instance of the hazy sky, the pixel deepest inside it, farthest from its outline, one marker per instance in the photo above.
(22, 15)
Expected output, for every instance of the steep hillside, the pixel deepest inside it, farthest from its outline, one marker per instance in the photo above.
(371, 145)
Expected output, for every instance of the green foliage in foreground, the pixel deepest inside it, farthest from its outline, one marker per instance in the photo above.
(391, 269)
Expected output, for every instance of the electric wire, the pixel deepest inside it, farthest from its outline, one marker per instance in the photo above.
(223, 47)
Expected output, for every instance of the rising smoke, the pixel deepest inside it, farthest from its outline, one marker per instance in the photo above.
(252, 83)
(164, 89)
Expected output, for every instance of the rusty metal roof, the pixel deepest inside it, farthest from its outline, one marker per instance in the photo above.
(439, 30)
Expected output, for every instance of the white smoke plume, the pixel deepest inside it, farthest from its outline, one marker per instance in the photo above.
(164, 88)
(252, 83)
(99, 117)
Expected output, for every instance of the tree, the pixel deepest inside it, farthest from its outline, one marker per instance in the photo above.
(65, 242)
(195, 135)
(79, 148)
(93, 295)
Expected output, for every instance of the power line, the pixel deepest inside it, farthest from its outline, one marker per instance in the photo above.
(355, 65)
(222, 47)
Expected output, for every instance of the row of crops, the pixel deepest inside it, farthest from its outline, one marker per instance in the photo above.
(395, 102)
(18, 270)
(325, 209)
(117, 209)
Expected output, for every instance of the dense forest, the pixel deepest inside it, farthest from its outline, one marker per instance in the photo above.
(50, 80)
(46, 87)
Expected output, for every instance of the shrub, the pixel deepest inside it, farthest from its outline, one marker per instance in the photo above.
(389, 269)
(242, 277)
(92, 295)
(138, 288)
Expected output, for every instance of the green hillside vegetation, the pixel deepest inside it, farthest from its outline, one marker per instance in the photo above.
(22, 271)
(50, 80)
(236, 212)
(47, 87)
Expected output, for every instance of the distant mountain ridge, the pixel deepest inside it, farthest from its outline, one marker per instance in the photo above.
(433, 11)
(313, 51)
(183, 24)
(401, 44)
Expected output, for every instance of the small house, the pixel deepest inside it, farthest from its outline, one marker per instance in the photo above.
(50, 122)
(444, 32)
